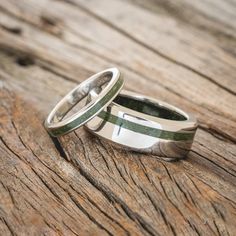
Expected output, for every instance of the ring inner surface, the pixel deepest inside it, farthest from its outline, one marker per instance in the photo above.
(73, 102)
(149, 108)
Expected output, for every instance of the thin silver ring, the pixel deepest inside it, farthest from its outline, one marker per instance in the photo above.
(113, 81)
(146, 125)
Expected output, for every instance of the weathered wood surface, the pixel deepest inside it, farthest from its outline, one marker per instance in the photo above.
(183, 52)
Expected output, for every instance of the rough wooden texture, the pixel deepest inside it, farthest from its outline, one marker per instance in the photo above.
(179, 51)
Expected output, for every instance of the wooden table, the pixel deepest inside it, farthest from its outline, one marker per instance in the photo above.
(179, 51)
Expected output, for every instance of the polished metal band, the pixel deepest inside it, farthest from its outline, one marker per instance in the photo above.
(146, 125)
(113, 82)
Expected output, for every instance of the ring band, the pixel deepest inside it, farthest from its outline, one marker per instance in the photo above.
(145, 125)
(113, 81)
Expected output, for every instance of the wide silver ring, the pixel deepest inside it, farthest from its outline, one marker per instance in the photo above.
(113, 82)
(146, 125)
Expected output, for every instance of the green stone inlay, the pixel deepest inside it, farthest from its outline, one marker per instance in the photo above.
(92, 111)
(138, 128)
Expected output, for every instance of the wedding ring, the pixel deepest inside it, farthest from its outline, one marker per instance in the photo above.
(146, 125)
(57, 124)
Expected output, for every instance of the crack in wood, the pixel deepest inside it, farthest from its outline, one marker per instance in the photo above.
(148, 47)
(80, 185)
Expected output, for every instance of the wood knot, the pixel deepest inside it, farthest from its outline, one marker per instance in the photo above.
(48, 21)
(51, 24)
(13, 29)
(25, 60)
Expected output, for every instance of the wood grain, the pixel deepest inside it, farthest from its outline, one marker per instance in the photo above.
(80, 185)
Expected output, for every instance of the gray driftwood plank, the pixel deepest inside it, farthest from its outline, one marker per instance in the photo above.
(179, 51)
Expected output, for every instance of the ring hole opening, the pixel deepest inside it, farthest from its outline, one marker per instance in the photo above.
(78, 99)
(149, 108)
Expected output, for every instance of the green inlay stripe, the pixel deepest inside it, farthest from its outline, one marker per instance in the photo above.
(92, 111)
(138, 128)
